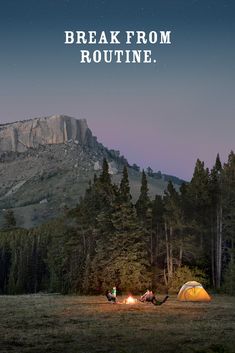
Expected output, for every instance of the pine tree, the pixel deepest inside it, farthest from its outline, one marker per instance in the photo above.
(124, 190)
(228, 204)
(200, 205)
(105, 177)
(143, 202)
(215, 189)
(130, 262)
(121, 252)
(104, 190)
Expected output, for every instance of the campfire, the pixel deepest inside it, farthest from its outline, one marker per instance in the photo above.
(130, 300)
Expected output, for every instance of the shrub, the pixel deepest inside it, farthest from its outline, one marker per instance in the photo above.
(184, 274)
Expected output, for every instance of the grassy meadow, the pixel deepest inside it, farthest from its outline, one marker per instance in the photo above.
(89, 324)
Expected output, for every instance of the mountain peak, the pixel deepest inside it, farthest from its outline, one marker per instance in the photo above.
(54, 129)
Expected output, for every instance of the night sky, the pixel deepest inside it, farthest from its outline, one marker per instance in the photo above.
(163, 115)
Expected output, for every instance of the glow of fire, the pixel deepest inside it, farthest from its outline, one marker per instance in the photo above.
(130, 300)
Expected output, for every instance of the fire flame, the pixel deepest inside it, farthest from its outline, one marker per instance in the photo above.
(130, 300)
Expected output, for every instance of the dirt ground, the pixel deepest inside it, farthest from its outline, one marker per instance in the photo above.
(89, 324)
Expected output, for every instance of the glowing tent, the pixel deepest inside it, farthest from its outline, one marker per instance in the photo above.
(193, 292)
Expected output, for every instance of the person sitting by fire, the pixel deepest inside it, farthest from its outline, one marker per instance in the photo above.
(149, 297)
(111, 296)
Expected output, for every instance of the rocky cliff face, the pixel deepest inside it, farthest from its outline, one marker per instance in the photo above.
(46, 164)
(56, 129)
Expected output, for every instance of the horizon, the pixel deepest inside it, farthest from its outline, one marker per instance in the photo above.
(111, 147)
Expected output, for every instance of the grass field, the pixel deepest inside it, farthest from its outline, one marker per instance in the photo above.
(80, 324)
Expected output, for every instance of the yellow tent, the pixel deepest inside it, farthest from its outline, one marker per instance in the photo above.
(193, 292)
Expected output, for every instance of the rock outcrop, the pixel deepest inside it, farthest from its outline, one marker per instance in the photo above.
(56, 129)
(46, 165)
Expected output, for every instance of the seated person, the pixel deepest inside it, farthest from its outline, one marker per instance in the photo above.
(110, 296)
(149, 296)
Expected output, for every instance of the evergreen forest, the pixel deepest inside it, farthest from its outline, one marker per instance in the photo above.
(109, 240)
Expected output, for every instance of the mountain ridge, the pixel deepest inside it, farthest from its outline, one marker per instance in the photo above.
(55, 129)
(38, 178)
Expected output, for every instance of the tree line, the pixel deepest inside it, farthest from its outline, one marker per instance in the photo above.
(110, 240)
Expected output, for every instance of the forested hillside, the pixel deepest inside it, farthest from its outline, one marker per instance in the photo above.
(108, 240)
